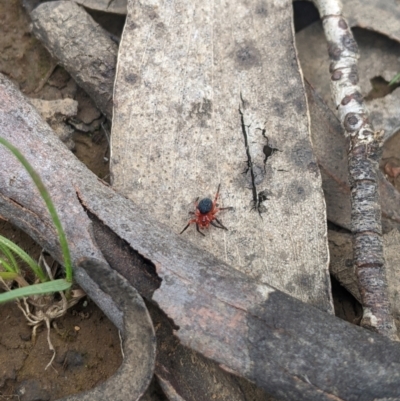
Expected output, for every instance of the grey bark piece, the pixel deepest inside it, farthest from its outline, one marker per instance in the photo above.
(288, 348)
(199, 89)
(82, 47)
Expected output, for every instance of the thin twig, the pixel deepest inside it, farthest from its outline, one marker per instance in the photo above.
(363, 155)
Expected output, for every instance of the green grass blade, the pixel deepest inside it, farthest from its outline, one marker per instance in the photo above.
(8, 275)
(49, 203)
(7, 267)
(11, 262)
(35, 289)
(395, 79)
(25, 257)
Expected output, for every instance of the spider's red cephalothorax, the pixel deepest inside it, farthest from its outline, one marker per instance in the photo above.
(205, 213)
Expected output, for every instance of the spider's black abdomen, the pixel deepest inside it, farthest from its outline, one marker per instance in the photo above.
(205, 205)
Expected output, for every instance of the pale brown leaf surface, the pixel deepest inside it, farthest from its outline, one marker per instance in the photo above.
(202, 94)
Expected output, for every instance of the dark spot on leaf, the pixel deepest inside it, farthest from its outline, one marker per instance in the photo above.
(297, 193)
(301, 156)
(258, 205)
(278, 108)
(268, 150)
(349, 263)
(313, 168)
(300, 104)
(131, 78)
(202, 111)
(290, 288)
(254, 175)
(247, 56)
(261, 8)
(152, 14)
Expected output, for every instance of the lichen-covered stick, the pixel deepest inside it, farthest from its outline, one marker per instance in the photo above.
(363, 155)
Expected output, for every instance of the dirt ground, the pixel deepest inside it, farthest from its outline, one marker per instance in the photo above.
(87, 344)
(88, 352)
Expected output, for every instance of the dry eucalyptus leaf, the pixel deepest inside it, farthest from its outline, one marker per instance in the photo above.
(210, 94)
(379, 57)
(385, 113)
(379, 16)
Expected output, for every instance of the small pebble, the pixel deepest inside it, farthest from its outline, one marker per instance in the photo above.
(73, 359)
(25, 336)
(30, 390)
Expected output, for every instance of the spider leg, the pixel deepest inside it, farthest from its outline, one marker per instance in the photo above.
(198, 230)
(226, 208)
(215, 225)
(219, 222)
(217, 194)
(188, 224)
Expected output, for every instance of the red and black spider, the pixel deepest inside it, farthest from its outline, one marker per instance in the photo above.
(205, 213)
